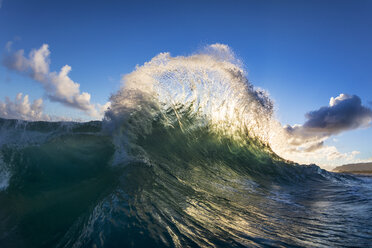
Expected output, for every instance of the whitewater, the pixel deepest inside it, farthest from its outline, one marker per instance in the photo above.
(188, 155)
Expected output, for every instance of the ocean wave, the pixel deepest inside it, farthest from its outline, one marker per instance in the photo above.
(185, 157)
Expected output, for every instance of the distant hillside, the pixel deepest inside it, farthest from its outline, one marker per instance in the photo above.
(361, 168)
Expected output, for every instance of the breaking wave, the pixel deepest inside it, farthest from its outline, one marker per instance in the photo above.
(183, 158)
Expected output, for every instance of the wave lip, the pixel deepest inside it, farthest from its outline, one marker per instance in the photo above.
(210, 86)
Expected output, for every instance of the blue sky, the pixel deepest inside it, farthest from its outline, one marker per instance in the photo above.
(302, 52)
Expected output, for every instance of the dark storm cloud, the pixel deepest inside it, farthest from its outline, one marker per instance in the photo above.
(315, 147)
(344, 113)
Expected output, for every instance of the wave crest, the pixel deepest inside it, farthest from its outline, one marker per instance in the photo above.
(210, 86)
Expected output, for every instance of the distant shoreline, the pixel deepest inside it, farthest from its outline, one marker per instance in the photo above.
(356, 169)
(364, 173)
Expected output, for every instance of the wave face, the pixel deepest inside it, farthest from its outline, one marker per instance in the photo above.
(182, 159)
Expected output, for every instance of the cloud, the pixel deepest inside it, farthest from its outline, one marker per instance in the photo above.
(305, 143)
(22, 109)
(59, 86)
(1, 3)
(345, 112)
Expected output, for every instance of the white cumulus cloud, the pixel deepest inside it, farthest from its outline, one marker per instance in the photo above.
(21, 108)
(59, 86)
